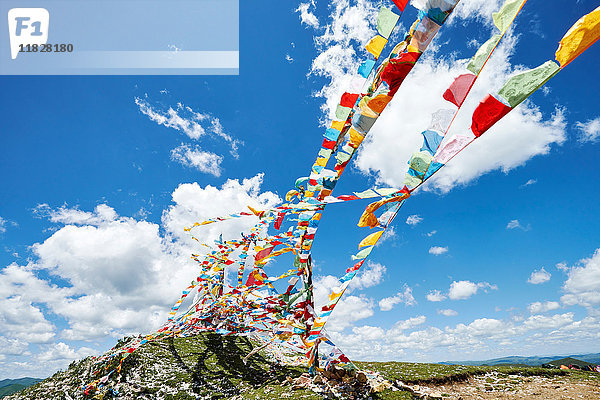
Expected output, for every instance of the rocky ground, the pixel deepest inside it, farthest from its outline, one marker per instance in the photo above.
(212, 367)
(512, 387)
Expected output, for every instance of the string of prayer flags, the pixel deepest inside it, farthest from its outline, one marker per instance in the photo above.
(287, 322)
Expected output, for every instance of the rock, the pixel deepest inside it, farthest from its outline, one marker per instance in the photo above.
(435, 395)
(317, 380)
(361, 377)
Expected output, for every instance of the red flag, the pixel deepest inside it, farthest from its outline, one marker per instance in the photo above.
(401, 4)
(279, 220)
(457, 92)
(487, 113)
(397, 69)
(263, 253)
(348, 99)
(328, 144)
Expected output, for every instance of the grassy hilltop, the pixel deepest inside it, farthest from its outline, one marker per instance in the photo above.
(210, 366)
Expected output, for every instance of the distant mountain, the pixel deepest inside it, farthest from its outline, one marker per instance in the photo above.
(10, 386)
(571, 361)
(593, 358)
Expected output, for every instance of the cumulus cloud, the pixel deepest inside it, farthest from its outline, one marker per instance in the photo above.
(414, 219)
(539, 276)
(61, 351)
(436, 295)
(203, 161)
(438, 250)
(370, 275)
(117, 275)
(350, 308)
(430, 234)
(583, 283)
(405, 297)
(306, 15)
(589, 131)
(447, 312)
(524, 133)
(542, 307)
(2, 225)
(462, 290)
(73, 216)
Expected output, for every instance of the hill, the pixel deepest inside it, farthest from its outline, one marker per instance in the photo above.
(210, 366)
(570, 361)
(10, 386)
(592, 358)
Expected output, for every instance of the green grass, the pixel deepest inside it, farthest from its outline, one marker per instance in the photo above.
(418, 373)
(211, 366)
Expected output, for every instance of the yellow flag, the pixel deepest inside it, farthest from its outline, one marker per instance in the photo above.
(582, 35)
(376, 45)
(355, 137)
(339, 125)
(371, 239)
(321, 161)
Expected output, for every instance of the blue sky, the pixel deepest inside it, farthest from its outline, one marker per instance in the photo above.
(496, 256)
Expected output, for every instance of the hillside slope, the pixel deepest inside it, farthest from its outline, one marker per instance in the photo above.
(210, 366)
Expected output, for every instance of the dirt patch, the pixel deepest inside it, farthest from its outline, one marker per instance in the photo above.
(513, 387)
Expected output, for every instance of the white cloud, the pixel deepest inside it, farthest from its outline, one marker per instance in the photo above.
(524, 133)
(539, 307)
(539, 276)
(438, 250)
(408, 324)
(120, 275)
(516, 224)
(350, 308)
(447, 312)
(370, 275)
(475, 9)
(414, 219)
(405, 297)
(436, 295)
(306, 16)
(369, 332)
(562, 266)
(462, 290)
(73, 216)
(193, 203)
(340, 43)
(583, 284)
(203, 161)
(191, 123)
(61, 351)
(289, 58)
(22, 320)
(2, 225)
(430, 234)
(589, 131)
(529, 183)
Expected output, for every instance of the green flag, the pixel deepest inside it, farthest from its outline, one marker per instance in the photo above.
(522, 85)
(386, 21)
